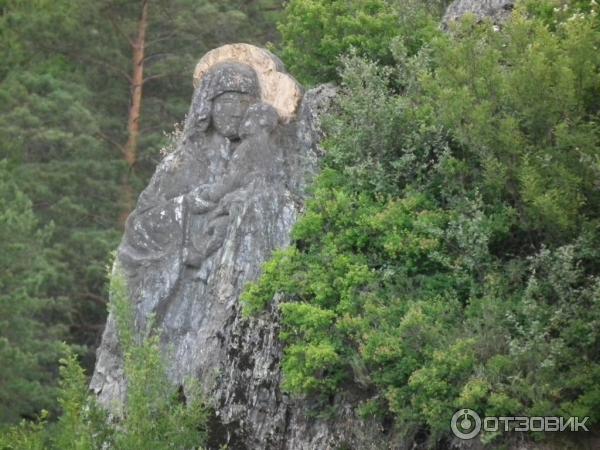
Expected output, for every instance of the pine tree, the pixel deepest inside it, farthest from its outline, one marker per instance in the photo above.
(29, 334)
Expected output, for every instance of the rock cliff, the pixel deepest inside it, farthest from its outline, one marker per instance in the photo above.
(497, 10)
(212, 214)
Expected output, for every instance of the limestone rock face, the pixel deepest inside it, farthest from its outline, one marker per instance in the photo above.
(497, 10)
(212, 214)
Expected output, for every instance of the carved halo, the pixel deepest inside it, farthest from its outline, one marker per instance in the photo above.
(277, 87)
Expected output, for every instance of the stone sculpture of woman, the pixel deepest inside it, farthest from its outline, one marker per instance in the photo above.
(165, 232)
(157, 224)
(213, 212)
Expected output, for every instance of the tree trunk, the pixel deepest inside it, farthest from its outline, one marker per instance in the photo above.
(133, 121)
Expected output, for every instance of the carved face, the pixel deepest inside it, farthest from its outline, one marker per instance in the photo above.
(228, 110)
(259, 116)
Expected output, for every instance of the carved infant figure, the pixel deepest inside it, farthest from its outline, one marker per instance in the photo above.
(255, 157)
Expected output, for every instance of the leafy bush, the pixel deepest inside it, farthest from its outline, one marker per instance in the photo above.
(449, 255)
(316, 33)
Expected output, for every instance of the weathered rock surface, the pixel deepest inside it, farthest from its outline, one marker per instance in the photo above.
(497, 10)
(214, 211)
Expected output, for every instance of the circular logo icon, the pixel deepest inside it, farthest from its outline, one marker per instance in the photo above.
(465, 424)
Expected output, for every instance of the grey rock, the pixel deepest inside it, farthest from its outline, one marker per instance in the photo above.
(212, 214)
(497, 10)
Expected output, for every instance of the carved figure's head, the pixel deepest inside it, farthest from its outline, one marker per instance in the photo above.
(277, 88)
(259, 117)
(228, 110)
(224, 96)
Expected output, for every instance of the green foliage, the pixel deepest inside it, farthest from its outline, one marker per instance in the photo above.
(153, 415)
(525, 107)
(27, 435)
(49, 133)
(29, 334)
(449, 256)
(83, 424)
(316, 33)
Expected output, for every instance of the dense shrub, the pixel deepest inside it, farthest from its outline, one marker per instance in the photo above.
(315, 33)
(449, 255)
